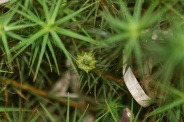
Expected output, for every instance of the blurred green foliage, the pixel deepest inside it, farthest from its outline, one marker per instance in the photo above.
(38, 38)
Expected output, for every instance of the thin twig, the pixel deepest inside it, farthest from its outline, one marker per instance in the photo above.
(43, 93)
(108, 76)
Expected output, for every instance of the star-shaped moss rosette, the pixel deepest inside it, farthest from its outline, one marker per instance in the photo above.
(86, 61)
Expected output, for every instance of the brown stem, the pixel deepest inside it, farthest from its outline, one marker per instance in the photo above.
(108, 76)
(43, 93)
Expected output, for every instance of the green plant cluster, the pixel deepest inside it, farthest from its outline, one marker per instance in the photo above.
(41, 40)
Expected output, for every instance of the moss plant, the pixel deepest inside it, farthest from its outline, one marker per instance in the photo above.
(86, 61)
(86, 43)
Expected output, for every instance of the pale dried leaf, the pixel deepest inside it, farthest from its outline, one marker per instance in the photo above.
(69, 79)
(3, 1)
(134, 87)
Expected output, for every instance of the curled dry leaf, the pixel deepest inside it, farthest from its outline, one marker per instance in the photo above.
(134, 87)
(3, 1)
(69, 79)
